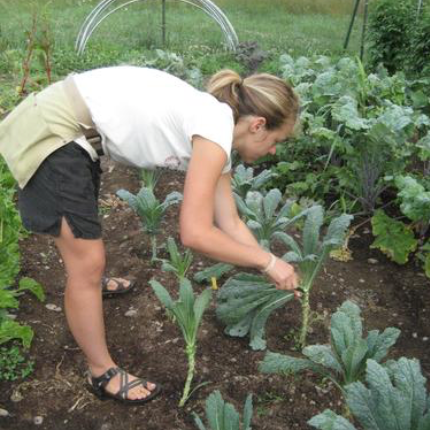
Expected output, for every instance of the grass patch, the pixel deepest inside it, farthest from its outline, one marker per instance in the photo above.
(301, 26)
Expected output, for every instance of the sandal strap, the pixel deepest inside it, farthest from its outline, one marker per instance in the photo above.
(120, 285)
(102, 380)
(126, 386)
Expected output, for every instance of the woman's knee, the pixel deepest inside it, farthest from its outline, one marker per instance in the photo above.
(87, 271)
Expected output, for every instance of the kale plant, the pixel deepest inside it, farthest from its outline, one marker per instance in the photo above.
(177, 264)
(244, 180)
(150, 178)
(262, 217)
(313, 253)
(221, 415)
(395, 399)
(150, 210)
(344, 360)
(188, 312)
(245, 302)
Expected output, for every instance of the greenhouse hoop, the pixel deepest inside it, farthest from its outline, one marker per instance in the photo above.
(107, 7)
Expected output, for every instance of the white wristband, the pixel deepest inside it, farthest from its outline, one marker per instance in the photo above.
(271, 264)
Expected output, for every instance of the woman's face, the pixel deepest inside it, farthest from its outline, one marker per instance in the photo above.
(255, 141)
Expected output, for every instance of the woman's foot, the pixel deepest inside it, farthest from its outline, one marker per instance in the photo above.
(113, 286)
(117, 384)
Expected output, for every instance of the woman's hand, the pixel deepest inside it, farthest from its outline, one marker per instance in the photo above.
(283, 275)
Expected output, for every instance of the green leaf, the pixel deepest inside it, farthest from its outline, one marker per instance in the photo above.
(409, 381)
(186, 296)
(345, 111)
(427, 264)
(10, 329)
(379, 344)
(171, 199)
(384, 398)
(393, 238)
(311, 231)
(289, 242)
(292, 257)
(215, 271)
(215, 411)
(328, 420)
(337, 230)
(279, 363)
(222, 415)
(244, 304)
(28, 284)
(198, 422)
(415, 199)
(201, 304)
(361, 403)
(271, 202)
(425, 422)
(231, 418)
(254, 202)
(240, 328)
(346, 327)
(173, 251)
(323, 355)
(247, 413)
(260, 318)
(7, 299)
(128, 197)
(162, 294)
(353, 359)
(396, 118)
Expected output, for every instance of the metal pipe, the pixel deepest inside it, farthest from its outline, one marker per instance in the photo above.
(351, 24)
(102, 11)
(363, 33)
(163, 22)
(94, 24)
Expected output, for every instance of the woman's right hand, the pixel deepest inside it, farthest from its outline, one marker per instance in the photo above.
(284, 276)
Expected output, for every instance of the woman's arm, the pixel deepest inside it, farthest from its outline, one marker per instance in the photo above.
(197, 221)
(226, 215)
(209, 222)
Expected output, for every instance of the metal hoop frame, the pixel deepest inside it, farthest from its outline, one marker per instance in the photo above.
(104, 9)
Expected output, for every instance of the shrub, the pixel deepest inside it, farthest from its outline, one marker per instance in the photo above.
(390, 25)
(399, 38)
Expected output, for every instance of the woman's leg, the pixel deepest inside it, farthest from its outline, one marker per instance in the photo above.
(85, 262)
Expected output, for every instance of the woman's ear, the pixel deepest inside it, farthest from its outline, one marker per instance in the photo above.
(258, 123)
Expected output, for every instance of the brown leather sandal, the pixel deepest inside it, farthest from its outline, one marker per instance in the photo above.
(97, 386)
(120, 289)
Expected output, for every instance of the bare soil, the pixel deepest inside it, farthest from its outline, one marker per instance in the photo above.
(149, 344)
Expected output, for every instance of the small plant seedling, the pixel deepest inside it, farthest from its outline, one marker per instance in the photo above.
(188, 312)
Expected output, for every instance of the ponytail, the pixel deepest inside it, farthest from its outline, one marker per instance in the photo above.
(261, 94)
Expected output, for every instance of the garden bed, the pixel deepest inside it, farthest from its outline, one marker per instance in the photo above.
(145, 341)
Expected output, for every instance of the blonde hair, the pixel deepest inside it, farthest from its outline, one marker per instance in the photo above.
(260, 94)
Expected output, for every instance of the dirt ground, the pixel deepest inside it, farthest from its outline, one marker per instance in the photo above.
(147, 343)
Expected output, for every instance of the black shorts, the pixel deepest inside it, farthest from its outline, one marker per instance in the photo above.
(66, 185)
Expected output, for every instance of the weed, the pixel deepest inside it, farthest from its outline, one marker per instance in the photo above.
(13, 364)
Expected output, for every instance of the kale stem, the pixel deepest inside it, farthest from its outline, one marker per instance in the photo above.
(191, 351)
(305, 318)
(154, 248)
